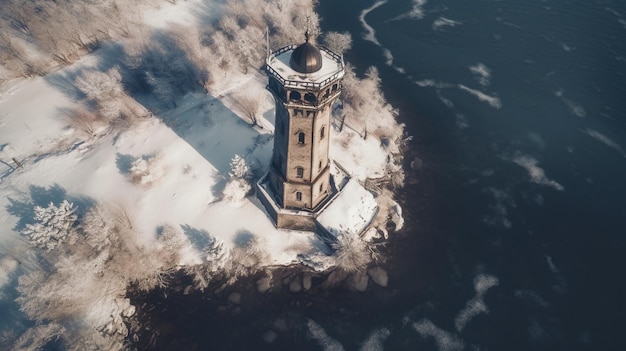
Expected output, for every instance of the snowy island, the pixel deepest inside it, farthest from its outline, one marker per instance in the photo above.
(135, 151)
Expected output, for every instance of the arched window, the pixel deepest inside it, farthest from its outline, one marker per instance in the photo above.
(294, 95)
(299, 172)
(301, 138)
(310, 98)
(322, 132)
(298, 196)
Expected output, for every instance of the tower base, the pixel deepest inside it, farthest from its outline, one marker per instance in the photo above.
(349, 209)
(299, 219)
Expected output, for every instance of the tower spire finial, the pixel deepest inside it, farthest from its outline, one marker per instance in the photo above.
(307, 34)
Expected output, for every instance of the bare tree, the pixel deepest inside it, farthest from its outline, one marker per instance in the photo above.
(351, 253)
(249, 105)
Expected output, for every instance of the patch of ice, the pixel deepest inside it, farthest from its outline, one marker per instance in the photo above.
(370, 33)
(461, 121)
(551, 264)
(444, 22)
(531, 296)
(481, 72)
(606, 141)
(375, 340)
(316, 332)
(493, 101)
(416, 12)
(476, 305)
(536, 173)
(445, 341)
(499, 216)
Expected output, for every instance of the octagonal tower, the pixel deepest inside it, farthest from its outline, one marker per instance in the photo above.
(305, 81)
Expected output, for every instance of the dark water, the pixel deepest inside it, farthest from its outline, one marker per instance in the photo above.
(522, 185)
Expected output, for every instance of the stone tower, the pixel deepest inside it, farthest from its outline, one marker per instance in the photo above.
(305, 81)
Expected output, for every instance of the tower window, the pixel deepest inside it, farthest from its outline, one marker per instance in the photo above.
(310, 98)
(294, 95)
(310, 114)
(298, 196)
(322, 132)
(299, 172)
(321, 187)
(300, 138)
(320, 166)
(297, 112)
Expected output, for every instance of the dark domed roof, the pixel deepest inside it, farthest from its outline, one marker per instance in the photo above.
(306, 58)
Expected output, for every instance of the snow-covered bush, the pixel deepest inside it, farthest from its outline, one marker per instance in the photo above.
(53, 225)
(238, 186)
(146, 170)
(351, 253)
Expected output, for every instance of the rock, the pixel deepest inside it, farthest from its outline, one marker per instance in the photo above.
(396, 216)
(295, 285)
(187, 290)
(281, 325)
(129, 311)
(270, 336)
(306, 282)
(334, 278)
(235, 298)
(370, 235)
(359, 281)
(263, 284)
(379, 276)
(384, 234)
(417, 163)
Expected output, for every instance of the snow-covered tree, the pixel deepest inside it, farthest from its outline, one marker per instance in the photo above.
(238, 186)
(239, 168)
(53, 225)
(337, 42)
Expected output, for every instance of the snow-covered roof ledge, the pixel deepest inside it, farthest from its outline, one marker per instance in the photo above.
(351, 212)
